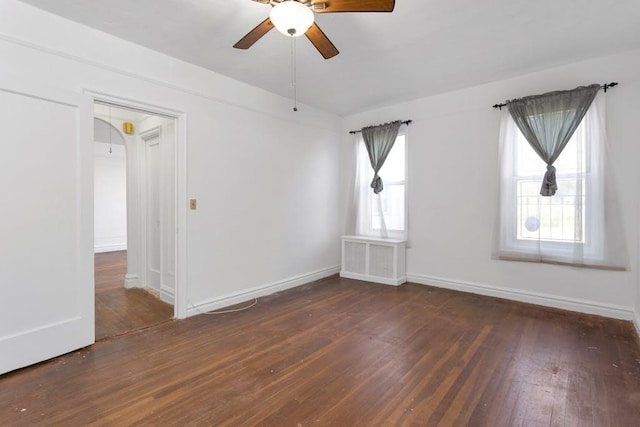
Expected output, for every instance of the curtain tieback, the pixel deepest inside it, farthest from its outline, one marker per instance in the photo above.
(376, 184)
(549, 185)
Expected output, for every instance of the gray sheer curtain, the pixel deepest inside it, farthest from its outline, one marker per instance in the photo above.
(379, 141)
(548, 121)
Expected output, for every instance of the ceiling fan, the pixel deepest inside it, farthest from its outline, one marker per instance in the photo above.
(295, 17)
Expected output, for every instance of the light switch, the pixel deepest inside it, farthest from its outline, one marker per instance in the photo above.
(193, 204)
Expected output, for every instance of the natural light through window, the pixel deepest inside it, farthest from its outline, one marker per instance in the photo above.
(383, 214)
(560, 218)
(391, 204)
(579, 225)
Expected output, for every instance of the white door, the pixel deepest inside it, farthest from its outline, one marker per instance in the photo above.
(46, 224)
(154, 225)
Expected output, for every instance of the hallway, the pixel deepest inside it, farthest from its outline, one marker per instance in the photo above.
(119, 310)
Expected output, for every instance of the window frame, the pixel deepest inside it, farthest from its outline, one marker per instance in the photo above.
(369, 229)
(509, 225)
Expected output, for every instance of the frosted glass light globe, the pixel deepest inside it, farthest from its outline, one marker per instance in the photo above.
(291, 18)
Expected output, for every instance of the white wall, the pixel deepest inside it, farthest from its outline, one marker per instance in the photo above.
(265, 178)
(110, 197)
(453, 164)
(267, 184)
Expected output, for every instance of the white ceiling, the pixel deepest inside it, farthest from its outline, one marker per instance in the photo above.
(423, 48)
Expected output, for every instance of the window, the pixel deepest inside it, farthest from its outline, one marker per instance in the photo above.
(383, 214)
(578, 225)
(560, 218)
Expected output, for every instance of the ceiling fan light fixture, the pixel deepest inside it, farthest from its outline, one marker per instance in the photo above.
(291, 18)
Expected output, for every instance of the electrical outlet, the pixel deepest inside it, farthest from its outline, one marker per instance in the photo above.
(193, 204)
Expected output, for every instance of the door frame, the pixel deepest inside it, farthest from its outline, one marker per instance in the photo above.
(143, 262)
(180, 205)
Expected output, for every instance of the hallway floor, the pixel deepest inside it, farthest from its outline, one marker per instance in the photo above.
(120, 310)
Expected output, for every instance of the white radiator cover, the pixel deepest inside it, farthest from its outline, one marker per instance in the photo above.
(374, 260)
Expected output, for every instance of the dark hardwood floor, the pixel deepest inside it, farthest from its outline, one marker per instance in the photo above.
(340, 352)
(120, 310)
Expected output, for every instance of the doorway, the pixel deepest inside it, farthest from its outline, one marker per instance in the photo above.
(135, 218)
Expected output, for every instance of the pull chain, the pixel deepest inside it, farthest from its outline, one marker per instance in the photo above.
(294, 74)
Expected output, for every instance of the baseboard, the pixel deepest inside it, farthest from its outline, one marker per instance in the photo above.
(375, 279)
(131, 281)
(98, 249)
(167, 296)
(571, 304)
(259, 291)
(636, 322)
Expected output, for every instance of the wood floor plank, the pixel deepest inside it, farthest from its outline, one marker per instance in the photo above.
(342, 352)
(120, 310)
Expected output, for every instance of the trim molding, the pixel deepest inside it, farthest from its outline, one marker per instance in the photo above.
(571, 304)
(259, 291)
(110, 247)
(636, 323)
(181, 141)
(131, 281)
(167, 295)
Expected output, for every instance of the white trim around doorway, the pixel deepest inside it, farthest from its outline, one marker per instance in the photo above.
(181, 205)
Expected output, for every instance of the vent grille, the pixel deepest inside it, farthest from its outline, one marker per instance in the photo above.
(355, 257)
(381, 261)
(373, 260)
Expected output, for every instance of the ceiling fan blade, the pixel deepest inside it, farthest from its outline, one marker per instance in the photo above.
(330, 6)
(321, 41)
(254, 35)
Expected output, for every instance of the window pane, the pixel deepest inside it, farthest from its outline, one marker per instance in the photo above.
(389, 205)
(528, 162)
(393, 169)
(559, 218)
(571, 159)
(391, 200)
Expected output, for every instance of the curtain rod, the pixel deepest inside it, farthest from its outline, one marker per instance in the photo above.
(406, 122)
(604, 86)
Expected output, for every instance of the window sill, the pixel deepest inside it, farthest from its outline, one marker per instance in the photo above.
(563, 263)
